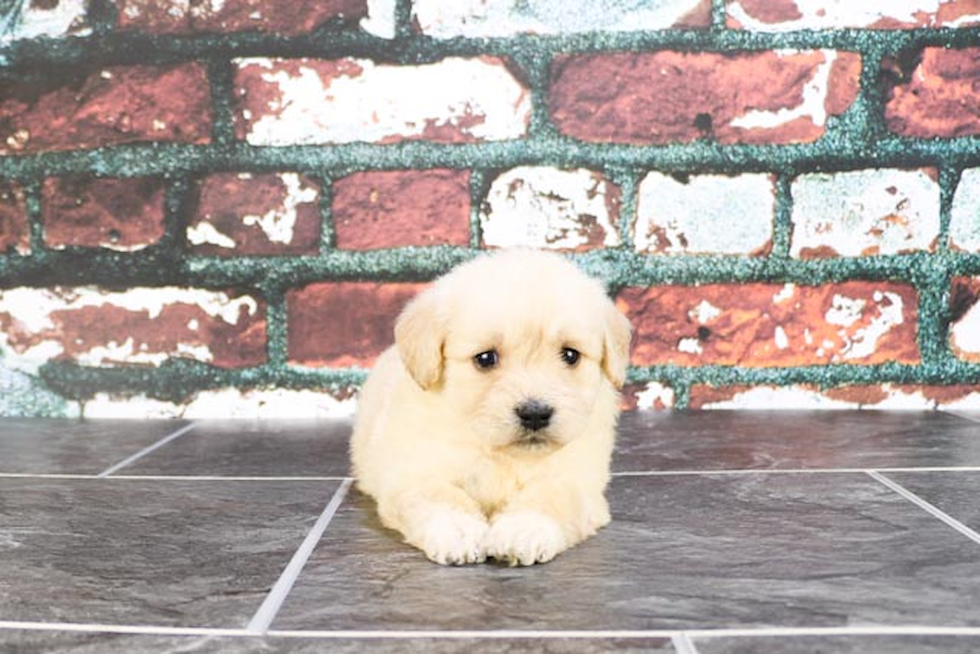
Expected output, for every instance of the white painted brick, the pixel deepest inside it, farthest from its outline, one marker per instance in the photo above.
(883, 397)
(35, 326)
(489, 18)
(550, 208)
(380, 20)
(654, 396)
(709, 214)
(779, 397)
(225, 403)
(467, 99)
(964, 225)
(864, 212)
(64, 18)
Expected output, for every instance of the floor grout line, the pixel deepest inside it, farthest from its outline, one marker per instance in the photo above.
(622, 474)
(690, 634)
(259, 624)
(924, 505)
(788, 471)
(500, 634)
(29, 475)
(147, 450)
(964, 416)
(683, 644)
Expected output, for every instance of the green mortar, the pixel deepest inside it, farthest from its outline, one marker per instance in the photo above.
(858, 139)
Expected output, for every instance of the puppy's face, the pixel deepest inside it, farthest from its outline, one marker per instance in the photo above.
(518, 345)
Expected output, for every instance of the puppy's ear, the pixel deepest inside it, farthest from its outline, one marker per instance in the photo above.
(616, 346)
(419, 335)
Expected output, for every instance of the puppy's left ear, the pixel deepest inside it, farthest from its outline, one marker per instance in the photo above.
(616, 345)
(419, 335)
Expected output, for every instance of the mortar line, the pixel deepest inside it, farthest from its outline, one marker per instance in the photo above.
(719, 15)
(925, 506)
(147, 450)
(33, 192)
(479, 186)
(266, 613)
(782, 219)
(402, 18)
(328, 228)
(949, 180)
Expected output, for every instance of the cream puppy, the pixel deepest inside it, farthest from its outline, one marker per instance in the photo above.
(487, 430)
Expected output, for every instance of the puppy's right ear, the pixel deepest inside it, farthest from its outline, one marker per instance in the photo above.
(420, 332)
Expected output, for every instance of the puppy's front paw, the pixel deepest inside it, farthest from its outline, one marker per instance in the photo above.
(525, 538)
(454, 537)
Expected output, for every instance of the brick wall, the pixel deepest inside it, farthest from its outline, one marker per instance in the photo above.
(218, 208)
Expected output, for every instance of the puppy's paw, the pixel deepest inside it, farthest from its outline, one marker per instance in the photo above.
(453, 537)
(525, 538)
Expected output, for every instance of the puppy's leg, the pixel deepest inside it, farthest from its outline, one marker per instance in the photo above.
(439, 519)
(555, 510)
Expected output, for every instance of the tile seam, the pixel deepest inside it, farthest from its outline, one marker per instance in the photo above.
(683, 643)
(933, 510)
(147, 450)
(625, 474)
(961, 414)
(266, 613)
(204, 478)
(788, 471)
(722, 632)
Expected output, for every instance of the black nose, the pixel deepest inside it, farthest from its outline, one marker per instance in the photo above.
(534, 415)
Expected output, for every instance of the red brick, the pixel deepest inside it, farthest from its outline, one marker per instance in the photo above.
(773, 325)
(13, 219)
(256, 214)
(117, 105)
(939, 97)
(138, 326)
(286, 17)
(118, 214)
(390, 209)
(790, 15)
(666, 97)
(344, 323)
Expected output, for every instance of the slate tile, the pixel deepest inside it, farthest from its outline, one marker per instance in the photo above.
(682, 552)
(174, 553)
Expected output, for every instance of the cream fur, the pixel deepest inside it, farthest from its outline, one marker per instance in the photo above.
(437, 442)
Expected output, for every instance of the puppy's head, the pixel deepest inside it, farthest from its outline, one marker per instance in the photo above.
(519, 345)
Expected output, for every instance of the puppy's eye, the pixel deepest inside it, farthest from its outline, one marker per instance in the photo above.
(570, 356)
(487, 360)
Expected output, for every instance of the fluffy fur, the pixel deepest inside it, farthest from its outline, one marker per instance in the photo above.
(439, 442)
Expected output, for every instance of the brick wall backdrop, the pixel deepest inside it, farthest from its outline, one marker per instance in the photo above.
(217, 208)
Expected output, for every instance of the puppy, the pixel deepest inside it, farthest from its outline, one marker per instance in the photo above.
(487, 429)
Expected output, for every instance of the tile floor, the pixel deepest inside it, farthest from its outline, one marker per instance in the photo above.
(732, 532)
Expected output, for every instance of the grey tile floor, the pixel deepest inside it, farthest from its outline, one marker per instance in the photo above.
(732, 532)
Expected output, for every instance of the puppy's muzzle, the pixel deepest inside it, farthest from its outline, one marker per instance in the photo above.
(534, 415)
